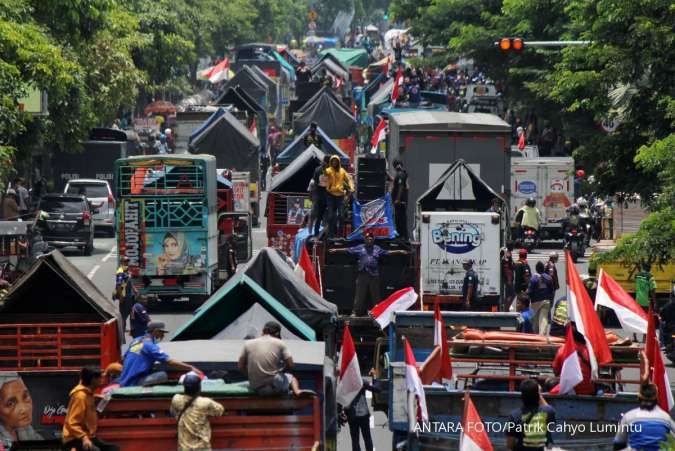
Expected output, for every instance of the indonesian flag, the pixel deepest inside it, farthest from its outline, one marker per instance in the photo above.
(305, 269)
(414, 383)
(588, 324)
(398, 81)
(570, 374)
(612, 295)
(217, 73)
(253, 128)
(472, 436)
(441, 340)
(379, 135)
(349, 383)
(399, 300)
(657, 374)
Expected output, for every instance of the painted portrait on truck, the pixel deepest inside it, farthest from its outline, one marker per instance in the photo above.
(174, 253)
(16, 411)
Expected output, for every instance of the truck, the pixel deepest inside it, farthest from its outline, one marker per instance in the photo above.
(447, 238)
(550, 181)
(167, 224)
(428, 142)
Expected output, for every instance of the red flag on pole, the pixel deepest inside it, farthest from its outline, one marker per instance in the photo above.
(349, 382)
(398, 81)
(379, 135)
(473, 437)
(305, 269)
(441, 339)
(612, 295)
(414, 383)
(657, 374)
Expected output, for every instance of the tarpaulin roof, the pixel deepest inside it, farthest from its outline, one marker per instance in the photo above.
(53, 285)
(230, 142)
(458, 189)
(329, 115)
(449, 121)
(295, 177)
(349, 57)
(374, 85)
(252, 84)
(272, 272)
(381, 96)
(272, 87)
(286, 65)
(331, 65)
(250, 324)
(237, 96)
(231, 301)
(295, 148)
(210, 120)
(324, 91)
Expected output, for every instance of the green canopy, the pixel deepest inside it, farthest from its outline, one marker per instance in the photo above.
(214, 388)
(231, 301)
(349, 57)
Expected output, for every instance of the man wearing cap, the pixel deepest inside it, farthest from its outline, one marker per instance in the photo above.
(192, 414)
(368, 277)
(124, 290)
(139, 320)
(521, 272)
(470, 284)
(142, 354)
(552, 270)
(265, 360)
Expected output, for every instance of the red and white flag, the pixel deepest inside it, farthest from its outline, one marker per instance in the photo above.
(441, 339)
(612, 295)
(473, 435)
(349, 383)
(588, 323)
(570, 374)
(398, 301)
(398, 81)
(414, 383)
(379, 135)
(658, 374)
(219, 72)
(305, 269)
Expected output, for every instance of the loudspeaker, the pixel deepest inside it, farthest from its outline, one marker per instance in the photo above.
(366, 193)
(339, 284)
(371, 178)
(372, 164)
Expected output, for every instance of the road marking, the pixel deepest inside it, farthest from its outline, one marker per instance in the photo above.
(372, 422)
(93, 271)
(110, 254)
(369, 395)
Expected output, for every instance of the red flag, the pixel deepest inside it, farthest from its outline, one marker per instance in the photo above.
(253, 128)
(414, 383)
(398, 81)
(588, 324)
(219, 71)
(379, 135)
(441, 339)
(657, 374)
(399, 300)
(349, 383)
(473, 435)
(305, 269)
(570, 375)
(612, 295)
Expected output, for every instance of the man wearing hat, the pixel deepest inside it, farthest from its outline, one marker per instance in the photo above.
(142, 354)
(470, 284)
(553, 271)
(125, 291)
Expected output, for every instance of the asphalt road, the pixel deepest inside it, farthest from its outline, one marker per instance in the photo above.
(100, 268)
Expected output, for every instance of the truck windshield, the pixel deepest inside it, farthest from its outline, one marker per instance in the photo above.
(91, 190)
(62, 205)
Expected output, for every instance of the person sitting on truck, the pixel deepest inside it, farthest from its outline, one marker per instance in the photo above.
(586, 386)
(339, 184)
(192, 414)
(265, 361)
(80, 424)
(526, 314)
(529, 427)
(313, 137)
(470, 284)
(646, 427)
(142, 354)
(529, 215)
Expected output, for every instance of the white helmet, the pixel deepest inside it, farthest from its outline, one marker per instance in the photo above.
(582, 202)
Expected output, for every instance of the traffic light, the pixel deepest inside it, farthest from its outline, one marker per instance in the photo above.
(511, 44)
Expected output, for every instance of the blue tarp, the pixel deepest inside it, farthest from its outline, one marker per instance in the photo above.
(221, 111)
(376, 216)
(297, 147)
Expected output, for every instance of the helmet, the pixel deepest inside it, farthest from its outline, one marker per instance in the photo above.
(531, 202)
(192, 383)
(583, 203)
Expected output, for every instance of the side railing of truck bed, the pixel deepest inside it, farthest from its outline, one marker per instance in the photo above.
(57, 346)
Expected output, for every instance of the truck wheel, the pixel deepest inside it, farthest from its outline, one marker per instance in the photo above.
(574, 251)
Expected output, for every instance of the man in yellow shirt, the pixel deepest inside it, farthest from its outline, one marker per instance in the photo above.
(340, 184)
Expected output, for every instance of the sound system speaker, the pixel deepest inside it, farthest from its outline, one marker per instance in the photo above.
(366, 193)
(371, 178)
(372, 164)
(339, 284)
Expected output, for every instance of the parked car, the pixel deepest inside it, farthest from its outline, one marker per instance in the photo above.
(65, 220)
(101, 199)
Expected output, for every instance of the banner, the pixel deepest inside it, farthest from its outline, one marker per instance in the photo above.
(297, 207)
(375, 217)
(174, 253)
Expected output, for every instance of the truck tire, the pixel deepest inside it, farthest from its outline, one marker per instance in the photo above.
(574, 251)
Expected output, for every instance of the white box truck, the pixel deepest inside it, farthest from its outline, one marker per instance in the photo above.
(447, 238)
(551, 182)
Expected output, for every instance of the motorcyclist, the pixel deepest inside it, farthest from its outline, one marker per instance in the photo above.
(528, 216)
(585, 219)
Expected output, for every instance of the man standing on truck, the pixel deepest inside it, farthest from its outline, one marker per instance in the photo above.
(79, 427)
(470, 284)
(318, 193)
(313, 137)
(192, 414)
(142, 354)
(399, 195)
(368, 277)
(339, 185)
(645, 287)
(265, 360)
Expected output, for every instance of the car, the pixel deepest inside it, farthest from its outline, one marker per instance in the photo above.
(66, 220)
(101, 199)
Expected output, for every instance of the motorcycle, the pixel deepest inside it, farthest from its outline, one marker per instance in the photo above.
(530, 238)
(575, 243)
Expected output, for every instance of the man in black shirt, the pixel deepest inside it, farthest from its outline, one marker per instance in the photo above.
(318, 195)
(304, 74)
(313, 137)
(399, 196)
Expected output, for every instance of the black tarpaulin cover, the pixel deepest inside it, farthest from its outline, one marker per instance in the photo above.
(272, 87)
(295, 177)
(272, 272)
(252, 84)
(237, 96)
(231, 143)
(317, 95)
(329, 115)
(295, 148)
